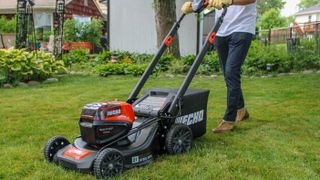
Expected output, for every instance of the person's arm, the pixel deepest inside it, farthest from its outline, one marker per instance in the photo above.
(243, 2)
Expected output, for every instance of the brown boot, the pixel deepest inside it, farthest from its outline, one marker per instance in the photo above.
(224, 126)
(242, 114)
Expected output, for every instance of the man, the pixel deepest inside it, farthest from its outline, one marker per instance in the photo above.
(232, 42)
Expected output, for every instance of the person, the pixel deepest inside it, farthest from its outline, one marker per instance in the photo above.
(232, 42)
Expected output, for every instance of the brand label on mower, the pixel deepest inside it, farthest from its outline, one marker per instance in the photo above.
(190, 119)
(138, 159)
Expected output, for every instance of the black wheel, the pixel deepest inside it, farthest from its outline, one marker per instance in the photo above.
(179, 139)
(108, 163)
(53, 146)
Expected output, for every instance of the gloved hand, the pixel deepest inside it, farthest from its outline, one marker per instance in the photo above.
(218, 4)
(187, 7)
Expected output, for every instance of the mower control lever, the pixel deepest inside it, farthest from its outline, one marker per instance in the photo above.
(199, 5)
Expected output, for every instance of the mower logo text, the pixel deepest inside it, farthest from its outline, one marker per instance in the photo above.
(192, 118)
(137, 159)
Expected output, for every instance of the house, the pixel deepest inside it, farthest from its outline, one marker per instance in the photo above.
(308, 19)
(311, 14)
(133, 29)
(82, 10)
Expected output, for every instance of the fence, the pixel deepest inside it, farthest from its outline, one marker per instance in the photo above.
(292, 35)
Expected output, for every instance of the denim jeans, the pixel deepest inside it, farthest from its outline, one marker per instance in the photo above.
(232, 51)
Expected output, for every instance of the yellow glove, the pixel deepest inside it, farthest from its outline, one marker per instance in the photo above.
(187, 7)
(218, 4)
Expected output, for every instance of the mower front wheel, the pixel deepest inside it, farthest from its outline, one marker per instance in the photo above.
(109, 163)
(53, 146)
(179, 139)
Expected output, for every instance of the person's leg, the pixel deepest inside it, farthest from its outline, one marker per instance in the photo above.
(241, 100)
(221, 44)
(239, 44)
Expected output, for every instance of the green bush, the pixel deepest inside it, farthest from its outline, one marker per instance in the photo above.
(104, 57)
(88, 32)
(135, 69)
(165, 62)
(279, 61)
(209, 65)
(260, 60)
(121, 69)
(20, 65)
(141, 58)
(76, 56)
(7, 25)
(70, 31)
(305, 56)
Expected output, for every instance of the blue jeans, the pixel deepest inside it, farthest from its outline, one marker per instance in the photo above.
(232, 51)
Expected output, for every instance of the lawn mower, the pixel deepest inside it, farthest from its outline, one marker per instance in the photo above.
(119, 135)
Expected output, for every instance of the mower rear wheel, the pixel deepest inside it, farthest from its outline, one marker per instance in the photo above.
(109, 163)
(179, 139)
(53, 146)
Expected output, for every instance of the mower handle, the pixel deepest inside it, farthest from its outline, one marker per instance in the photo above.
(192, 72)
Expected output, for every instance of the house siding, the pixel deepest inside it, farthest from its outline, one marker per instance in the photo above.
(133, 29)
(77, 7)
(305, 18)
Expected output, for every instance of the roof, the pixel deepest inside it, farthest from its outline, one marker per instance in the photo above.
(10, 6)
(310, 10)
(39, 4)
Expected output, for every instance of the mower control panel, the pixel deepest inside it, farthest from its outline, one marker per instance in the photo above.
(151, 103)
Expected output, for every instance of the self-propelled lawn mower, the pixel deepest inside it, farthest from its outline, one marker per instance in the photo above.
(119, 135)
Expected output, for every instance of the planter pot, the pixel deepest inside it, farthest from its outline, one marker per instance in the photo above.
(78, 45)
(67, 46)
(82, 45)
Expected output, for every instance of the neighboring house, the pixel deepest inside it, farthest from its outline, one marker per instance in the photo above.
(133, 29)
(311, 14)
(82, 10)
(308, 19)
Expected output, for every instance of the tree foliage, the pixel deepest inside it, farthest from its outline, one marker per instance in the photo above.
(307, 3)
(265, 5)
(7, 25)
(272, 19)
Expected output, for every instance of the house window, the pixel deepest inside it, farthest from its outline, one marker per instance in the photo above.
(310, 17)
(85, 2)
(43, 25)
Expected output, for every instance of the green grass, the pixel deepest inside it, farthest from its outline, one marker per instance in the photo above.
(281, 140)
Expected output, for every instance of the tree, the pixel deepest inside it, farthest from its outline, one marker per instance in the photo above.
(165, 16)
(271, 19)
(307, 3)
(265, 5)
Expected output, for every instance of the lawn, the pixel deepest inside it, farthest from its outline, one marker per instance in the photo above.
(281, 140)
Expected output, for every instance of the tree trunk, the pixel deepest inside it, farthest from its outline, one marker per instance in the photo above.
(165, 16)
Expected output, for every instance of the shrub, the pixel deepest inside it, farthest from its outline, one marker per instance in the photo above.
(165, 62)
(90, 32)
(76, 56)
(7, 25)
(121, 69)
(112, 69)
(20, 65)
(211, 64)
(135, 69)
(305, 57)
(70, 31)
(141, 58)
(104, 57)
